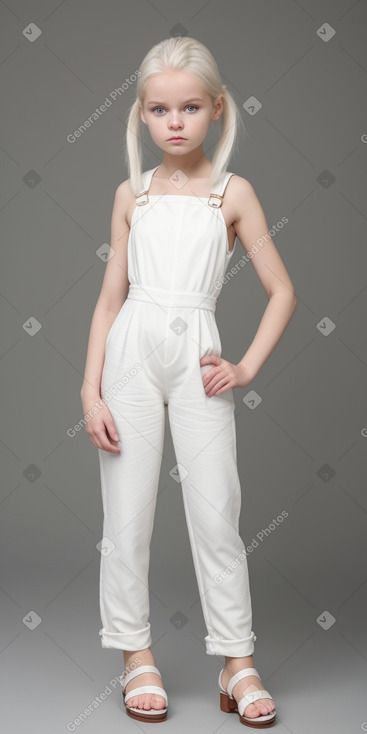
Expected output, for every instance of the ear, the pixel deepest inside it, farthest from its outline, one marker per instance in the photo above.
(218, 108)
(141, 113)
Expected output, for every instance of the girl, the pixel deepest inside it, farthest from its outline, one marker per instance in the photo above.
(154, 342)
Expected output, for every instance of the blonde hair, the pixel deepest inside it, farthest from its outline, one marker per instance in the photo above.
(187, 54)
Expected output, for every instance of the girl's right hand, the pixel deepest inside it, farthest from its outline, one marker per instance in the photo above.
(100, 427)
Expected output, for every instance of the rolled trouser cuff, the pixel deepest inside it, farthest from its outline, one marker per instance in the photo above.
(138, 640)
(231, 648)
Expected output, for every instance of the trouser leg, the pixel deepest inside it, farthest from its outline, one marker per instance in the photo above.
(204, 437)
(129, 483)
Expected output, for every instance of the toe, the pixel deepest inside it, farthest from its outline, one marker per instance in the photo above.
(158, 702)
(252, 711)
(147, 702)
(259, 708)
(262, 709)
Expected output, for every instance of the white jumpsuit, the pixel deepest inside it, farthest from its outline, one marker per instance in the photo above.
(177, 255)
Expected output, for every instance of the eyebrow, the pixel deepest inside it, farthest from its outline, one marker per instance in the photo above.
(195, 99)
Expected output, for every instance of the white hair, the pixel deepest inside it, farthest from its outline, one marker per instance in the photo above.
(187, 54)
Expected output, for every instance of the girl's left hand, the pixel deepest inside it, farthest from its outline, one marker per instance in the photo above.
(223, 375)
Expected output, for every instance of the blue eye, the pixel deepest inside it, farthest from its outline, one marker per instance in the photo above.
(162, 108)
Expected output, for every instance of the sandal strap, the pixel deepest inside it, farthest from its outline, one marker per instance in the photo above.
(250, 698)
(139, 671)
(147, 689)
(238, 676)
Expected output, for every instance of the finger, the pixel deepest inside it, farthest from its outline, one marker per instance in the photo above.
(107, 444)
(218, 381)
(112, 430)
(208, 357)
(209, 376)
(213, 373)
(225, 388)
(95, 440)
(222, 386)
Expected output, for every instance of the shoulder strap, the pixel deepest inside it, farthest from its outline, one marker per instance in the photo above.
(216, 197)
(142, 196)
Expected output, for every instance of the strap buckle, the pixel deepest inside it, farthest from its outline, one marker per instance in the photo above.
(212, 200)
(143, 196)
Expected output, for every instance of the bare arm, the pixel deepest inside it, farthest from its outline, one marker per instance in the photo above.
(250, 226)
(112, 296)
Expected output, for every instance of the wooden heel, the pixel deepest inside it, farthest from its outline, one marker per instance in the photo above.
(227, 704)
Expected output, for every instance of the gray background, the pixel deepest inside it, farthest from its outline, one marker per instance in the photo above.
(302, 450)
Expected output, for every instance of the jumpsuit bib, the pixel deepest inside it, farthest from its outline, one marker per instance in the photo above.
(177, 255)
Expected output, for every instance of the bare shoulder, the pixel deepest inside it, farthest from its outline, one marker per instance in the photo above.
(123, 188)
(124, 199)
(253, 232)
(241, 194)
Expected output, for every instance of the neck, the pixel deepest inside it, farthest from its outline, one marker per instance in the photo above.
(192, 165)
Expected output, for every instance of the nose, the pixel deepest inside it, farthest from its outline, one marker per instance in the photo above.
(175, 121)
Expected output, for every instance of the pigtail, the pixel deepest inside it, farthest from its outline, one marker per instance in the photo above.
(188, 54)
(133, 148)
(231, 122)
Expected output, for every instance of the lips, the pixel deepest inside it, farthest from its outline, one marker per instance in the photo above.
(178, 138)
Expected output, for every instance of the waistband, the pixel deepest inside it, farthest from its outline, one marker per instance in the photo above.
(171, 299)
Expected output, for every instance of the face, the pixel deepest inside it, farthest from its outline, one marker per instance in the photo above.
(176, 104)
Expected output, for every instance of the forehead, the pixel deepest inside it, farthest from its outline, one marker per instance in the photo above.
(173, 85)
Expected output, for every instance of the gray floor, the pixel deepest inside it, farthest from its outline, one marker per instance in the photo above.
(53, 673)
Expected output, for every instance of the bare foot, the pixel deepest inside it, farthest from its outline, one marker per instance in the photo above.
(247, 685)
(145, 701)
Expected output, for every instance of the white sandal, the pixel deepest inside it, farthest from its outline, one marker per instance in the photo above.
(144, 714)
(228, 704)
